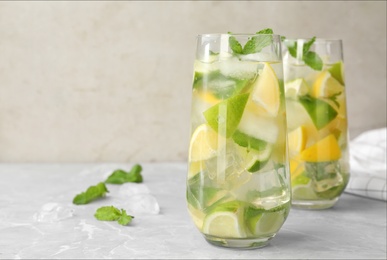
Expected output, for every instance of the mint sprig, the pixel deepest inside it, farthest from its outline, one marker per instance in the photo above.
(120, 176)
(253, 45)
(311, 58)
(111, 213)
(92, 193)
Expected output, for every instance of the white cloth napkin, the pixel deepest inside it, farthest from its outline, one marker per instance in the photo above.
(368, 165)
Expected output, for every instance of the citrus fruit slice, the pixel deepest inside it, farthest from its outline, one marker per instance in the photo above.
(203, 144)
(225, 221)
(266, 92)
(304, 192)
(295, 88)
(326, 85)
(262, 222)
(225, 116)
(327, 149)
(297, 139)
(319, 111)
(337, 71)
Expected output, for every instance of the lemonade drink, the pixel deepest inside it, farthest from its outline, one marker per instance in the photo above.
(238, 185)
(317, 121)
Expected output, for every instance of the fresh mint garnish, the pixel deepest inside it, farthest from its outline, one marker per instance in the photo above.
(120, 176)
(92, 193)
(111, 213)
(254, 45)
(310, 58)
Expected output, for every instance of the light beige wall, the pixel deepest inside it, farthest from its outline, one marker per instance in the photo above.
(110, 81)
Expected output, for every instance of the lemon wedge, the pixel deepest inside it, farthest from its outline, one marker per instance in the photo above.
(266, 92)
(297, 139)
(327, 149)
(203, 144)
(326, 85)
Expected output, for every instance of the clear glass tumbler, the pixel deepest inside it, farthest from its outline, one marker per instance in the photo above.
(238, 183)
(317, 121)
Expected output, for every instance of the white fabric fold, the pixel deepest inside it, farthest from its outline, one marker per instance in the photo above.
(368, 165)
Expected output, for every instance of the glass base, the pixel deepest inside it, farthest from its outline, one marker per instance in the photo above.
(314, 204)
(242, 243)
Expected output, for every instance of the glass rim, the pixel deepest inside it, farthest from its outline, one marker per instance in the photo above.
(234, 34)
(318, 40)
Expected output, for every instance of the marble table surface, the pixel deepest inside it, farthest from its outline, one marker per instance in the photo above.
(355, 228)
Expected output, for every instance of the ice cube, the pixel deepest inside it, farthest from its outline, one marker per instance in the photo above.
(142, 204)
(53, 212)
(239, 69)
(131, 189)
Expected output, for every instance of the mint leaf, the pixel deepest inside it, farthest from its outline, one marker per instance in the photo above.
(92, 193)
(307, 45)
(120, 176)
(313, 60)
(256, 44)
(124, 219)
(107, 213)
(235, 46)
(111, 213)
(265, 31)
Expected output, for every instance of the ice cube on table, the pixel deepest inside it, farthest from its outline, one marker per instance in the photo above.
(53, 212)
(142, 204)
(130, 189)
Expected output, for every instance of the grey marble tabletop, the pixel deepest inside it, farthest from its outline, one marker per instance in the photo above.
(38, 220)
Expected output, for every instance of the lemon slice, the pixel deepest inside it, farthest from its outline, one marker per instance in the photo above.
(327, 149)
(326, 85)
(337, 71)
(225, 221)
(204, 143)
(295, 88)
(266, 92)
(297, 139)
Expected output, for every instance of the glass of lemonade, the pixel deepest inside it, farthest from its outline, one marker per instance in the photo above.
(238, 183)
(317, 121)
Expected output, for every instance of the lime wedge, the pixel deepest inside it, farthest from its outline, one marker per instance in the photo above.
(262, 222)
(319, 111)
(225, 116)
(295, 88)
(337, 71)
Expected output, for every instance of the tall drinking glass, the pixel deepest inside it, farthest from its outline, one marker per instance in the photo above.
(317, 121)
(238, 184)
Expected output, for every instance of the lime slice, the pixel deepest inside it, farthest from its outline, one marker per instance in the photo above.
(327, 149)
(225, 116)
(297, 139)
(261, 222)
(266, 92)
(204, 143)
(295, 88)
(248, 141)
(319, 111)
(304, 192)
(226, 221)
(255, 160)
(326, 86)
(337, 71)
